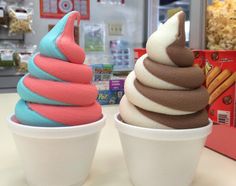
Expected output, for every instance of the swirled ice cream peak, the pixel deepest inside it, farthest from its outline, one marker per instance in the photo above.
(165, 90)
(58, 90)
(167, 44)
(59, 42)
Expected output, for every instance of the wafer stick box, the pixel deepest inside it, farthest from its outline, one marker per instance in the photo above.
(220, 71)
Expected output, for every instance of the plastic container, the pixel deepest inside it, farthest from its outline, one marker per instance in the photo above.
(162, 157)
(58, 156)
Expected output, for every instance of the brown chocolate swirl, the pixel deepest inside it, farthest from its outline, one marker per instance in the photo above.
(185, 100)
(187, 77)
(177, 52)
(195, 120)
(164, 87)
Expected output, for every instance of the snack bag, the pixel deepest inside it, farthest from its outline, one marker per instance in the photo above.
(220, 69)
(20, 19)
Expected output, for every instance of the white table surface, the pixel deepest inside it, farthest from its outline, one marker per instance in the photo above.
(108, 167)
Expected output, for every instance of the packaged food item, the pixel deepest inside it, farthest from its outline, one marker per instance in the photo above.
(121, 55)
(163, 112)
(7, 57)
(221, 21)
(20, 19)
(220, 70)
(199, 59)
(102, 72)
(110, 92)
(3, 13)
(22, 56)
(93, 37)
(138, 52)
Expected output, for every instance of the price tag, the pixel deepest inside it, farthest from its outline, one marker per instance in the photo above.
(21, 16)
(7, 57)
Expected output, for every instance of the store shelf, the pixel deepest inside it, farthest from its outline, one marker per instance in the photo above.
(8, 79)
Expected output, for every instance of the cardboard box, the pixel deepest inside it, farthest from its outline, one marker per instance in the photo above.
(222, 109)
(102, 72)
(110, 92)
(219, 68)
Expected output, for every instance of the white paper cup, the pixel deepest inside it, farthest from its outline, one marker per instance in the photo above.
(56, 156)
(161, 157)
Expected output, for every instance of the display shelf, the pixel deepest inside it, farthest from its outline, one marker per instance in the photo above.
(8, 79)
(9, 71)
(4, 35)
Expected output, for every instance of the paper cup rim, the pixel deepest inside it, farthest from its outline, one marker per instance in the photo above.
(163, 134)
(55, 132)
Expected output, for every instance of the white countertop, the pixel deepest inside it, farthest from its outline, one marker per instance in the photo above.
(108, 167)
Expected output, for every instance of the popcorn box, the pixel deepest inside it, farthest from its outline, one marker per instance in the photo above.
(220, 70)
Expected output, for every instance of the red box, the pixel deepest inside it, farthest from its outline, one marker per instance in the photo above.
(223, 140)
(219, 67)
(220, 70)
(138, 52)
(199, 58)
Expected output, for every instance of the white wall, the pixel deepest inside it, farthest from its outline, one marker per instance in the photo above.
(131, 14)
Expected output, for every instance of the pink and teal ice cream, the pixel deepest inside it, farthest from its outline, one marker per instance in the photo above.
(58, 90)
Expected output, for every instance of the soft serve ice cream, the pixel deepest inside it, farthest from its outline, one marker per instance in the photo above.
(58, 90)
(165, 90)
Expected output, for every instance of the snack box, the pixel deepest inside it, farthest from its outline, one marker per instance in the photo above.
(110, 92)
(220, 69)
(102, 72)
(223, 140)
(138, 52)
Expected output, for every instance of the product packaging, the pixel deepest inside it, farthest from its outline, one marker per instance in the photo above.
(138, 52)
(23, 55)
(93, 37)
(20, 19)
(220, 69)
(121, 55)
(3, 13)
(110, 92)
(8, 57)
(102, 72)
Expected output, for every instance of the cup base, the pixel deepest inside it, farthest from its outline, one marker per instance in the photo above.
(164, 157)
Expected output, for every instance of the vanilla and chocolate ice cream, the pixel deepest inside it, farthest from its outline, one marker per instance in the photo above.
(165, 90)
